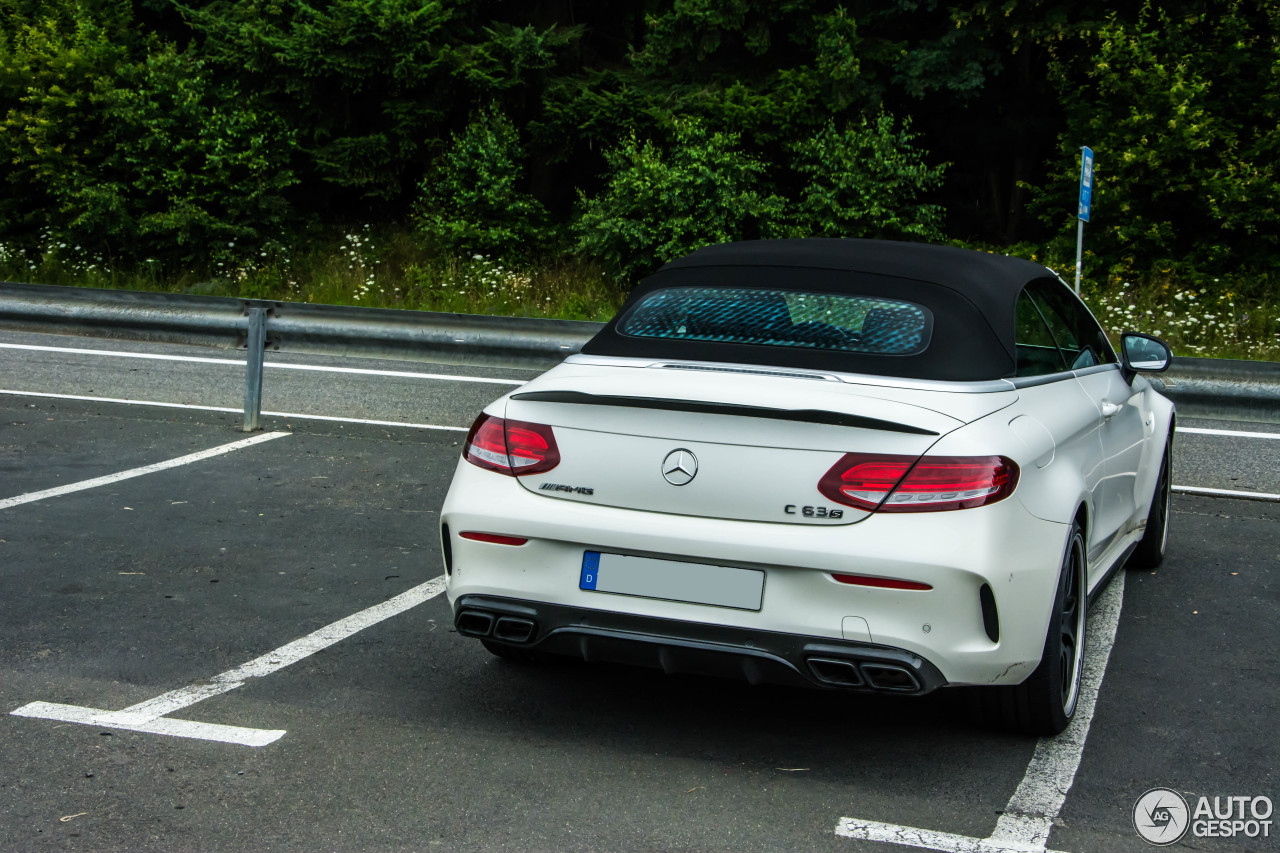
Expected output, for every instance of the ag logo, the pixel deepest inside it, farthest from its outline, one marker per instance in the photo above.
(1161, 816)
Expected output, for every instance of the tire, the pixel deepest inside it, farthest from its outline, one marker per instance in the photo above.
(1150, 551)
(514, 654)
(1045, 703)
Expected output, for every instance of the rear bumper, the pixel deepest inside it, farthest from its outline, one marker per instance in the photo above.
(676, 646)
(1001, 546)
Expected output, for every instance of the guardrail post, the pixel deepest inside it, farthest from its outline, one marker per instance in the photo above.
(257, 345)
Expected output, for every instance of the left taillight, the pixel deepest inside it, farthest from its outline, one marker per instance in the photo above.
(891, 483)
(514, 448)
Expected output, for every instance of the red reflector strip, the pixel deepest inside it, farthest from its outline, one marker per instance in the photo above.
(493, 537)
(882, 583)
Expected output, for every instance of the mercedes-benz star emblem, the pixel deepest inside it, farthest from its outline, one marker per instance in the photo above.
(680, 467)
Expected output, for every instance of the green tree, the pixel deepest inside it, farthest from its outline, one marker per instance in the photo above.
(1180, 108)
(472, 201)
(865, 181)
(120, 144)
(363, 83)
(374, 88)
(659, 205)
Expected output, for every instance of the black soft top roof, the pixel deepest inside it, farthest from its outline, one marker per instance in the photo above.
(972, 295)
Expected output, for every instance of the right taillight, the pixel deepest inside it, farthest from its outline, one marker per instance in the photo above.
(891, 483)
(514, 448)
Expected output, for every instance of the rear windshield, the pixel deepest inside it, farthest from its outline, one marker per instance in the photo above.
(829, 321)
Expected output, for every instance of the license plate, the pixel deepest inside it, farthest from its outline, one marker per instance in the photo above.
(672, 580)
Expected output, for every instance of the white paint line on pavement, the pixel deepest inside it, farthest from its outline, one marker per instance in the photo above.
(927, 839)
(1024, 825)
(282, 365)
(1226, 493)
(138, 472)
(292, 415)
(152, 715)
(1231, 432)
(330, 634)
(176, 728)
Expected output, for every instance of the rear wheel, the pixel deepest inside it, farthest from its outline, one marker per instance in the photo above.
(1045, 703)
(1150, 550)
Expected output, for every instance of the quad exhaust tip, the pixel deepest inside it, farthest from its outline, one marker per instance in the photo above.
(474, 623)
(885, 677)
(842, 672)
(513, 629)
(508, 629)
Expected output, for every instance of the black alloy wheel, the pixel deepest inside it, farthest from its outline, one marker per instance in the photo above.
(1071, 626)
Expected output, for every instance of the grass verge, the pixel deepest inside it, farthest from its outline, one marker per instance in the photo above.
(1199, 316)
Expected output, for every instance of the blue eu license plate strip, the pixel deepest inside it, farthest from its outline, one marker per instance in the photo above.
(672, 580)
(590, 570)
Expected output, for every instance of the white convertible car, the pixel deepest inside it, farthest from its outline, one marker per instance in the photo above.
(850, 464)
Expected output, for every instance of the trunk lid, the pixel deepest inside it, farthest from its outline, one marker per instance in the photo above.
(756, 444)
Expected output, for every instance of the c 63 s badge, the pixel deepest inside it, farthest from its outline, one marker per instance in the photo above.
(813, 511)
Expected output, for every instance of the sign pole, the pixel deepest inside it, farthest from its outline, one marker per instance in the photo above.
(1079, 251)
(1082, 212)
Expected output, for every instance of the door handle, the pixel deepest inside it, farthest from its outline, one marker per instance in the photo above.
(1109, 409)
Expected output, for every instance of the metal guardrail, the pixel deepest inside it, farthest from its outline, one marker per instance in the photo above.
(1201, 387)
(259, 325)
(1228, 389)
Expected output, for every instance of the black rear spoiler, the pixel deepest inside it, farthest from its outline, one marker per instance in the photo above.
(809, 416)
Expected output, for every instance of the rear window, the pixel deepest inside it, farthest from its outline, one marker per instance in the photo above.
(829, 321)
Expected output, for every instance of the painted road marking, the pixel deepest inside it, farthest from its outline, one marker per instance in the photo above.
(152, 715)
(1231, 432)
(175, 728)
(1024, 825)
(138, 472)
(1226, 493)
(291, 415)
(282, 365)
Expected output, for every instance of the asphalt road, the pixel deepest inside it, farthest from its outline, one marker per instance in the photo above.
(405, 736)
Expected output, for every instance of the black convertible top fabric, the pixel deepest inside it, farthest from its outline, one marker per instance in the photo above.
(972, 295)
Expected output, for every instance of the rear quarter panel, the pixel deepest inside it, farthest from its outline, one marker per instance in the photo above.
(1057, 472)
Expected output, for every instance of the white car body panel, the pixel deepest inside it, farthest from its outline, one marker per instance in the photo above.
(733, 451)
(962, 595)
(1003, 544)
(1005, 550)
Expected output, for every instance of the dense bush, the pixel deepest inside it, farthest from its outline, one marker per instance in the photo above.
(658, 205)
(865, 181)
(1180, 108)
(472, 200)
(189, 130)
(121, 146)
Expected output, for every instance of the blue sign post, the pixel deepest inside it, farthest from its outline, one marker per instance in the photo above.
(1082, 212)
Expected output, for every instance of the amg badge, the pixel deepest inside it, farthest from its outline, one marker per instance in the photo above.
(556, 487)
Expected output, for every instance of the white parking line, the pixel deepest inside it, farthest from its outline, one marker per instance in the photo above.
(1226, 493)
(291, 415)
(175, 728)
(1024, 825)
(1231, 432)
(151, 715)
(138, 472)
(281, 365)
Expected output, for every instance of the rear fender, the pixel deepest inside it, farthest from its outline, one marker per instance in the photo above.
(1164, 419)
(1050, 483)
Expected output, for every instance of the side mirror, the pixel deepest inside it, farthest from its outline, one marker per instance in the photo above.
(1144, 353)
